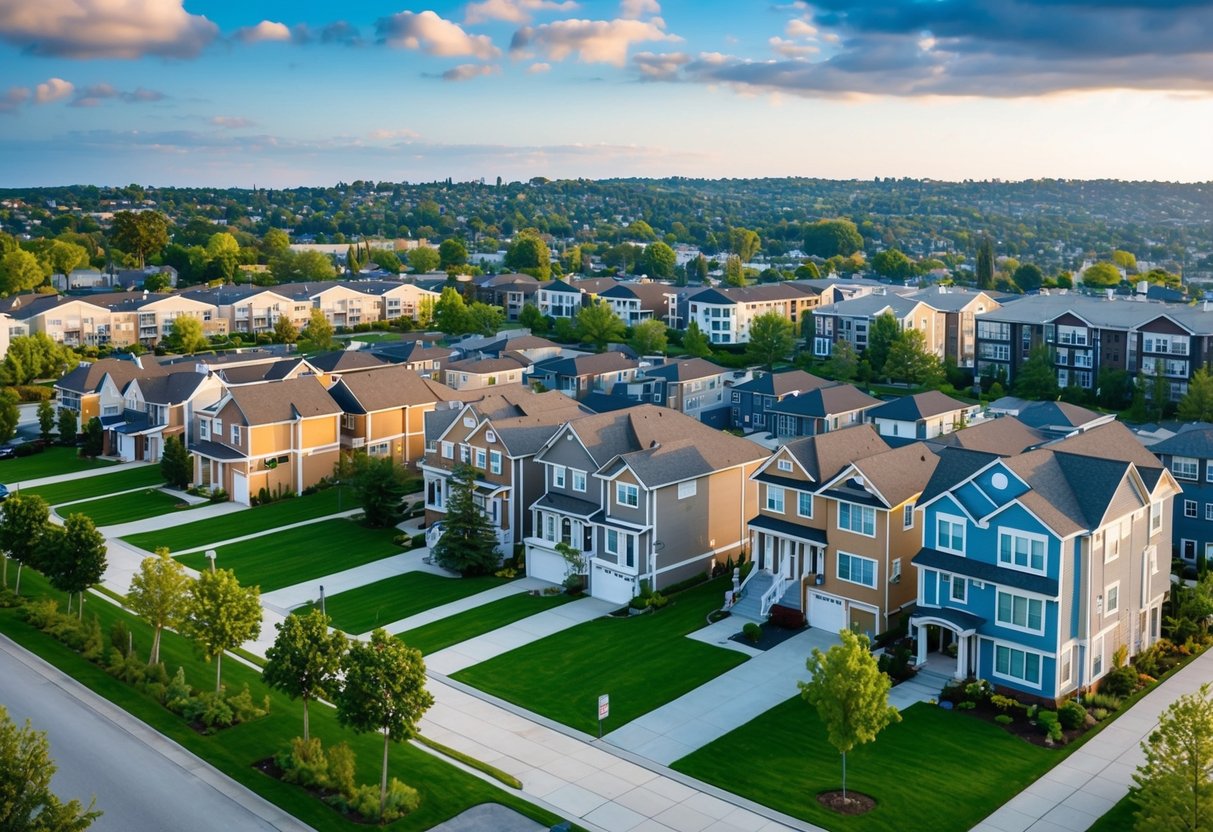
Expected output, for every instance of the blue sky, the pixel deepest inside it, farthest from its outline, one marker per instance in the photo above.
(291, 93)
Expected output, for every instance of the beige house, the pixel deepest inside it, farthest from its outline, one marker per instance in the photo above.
(279, 436)
(384, 411)
(72, 321)
(476, 373)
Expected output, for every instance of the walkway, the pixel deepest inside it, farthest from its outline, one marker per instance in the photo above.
(175, 517)
(1077, 791)
(216, 544)
(925, 685)
(729, 701)
(502, 640)
(75, 475)
(290, 597)
(517, 587)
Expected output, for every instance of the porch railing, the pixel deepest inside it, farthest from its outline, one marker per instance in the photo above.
(771, 597)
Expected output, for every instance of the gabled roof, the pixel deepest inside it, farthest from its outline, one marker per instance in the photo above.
(919, 406)
(955, 466)
(26, 306)
(825, 401)
(652, 296)
(497, 280)
(594, 364)
(1111, 441)
(1194, 440)
(172, 388)
(519, 342)
(87, 378)
(411, 351)
(825, 455)
(389, 386)
(783, 383)
(558, 285)
(1057, 414)
(1005, 436)
(344, 361)
(284, 401)
(899, 474)
(267, 371)
(480, 366)
(685, 369)
(762, 292)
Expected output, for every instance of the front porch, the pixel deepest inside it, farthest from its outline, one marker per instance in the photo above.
(784, 554)
(955, 627)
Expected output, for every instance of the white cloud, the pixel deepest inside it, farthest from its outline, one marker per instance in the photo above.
(105, 28)
(791, 48)
(52, 89)
(513, 11)
(638, 8)
(12, 100)
(232, 122)
(799, 29)
(266, 30)
(433, 34)
(592, 41)
(658, 66)
(93, 95)
(383, 135)
(537, 68)
(466, 72)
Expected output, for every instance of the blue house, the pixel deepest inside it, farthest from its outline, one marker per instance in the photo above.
(1041, 565)
(1188, 455)
(751, 402)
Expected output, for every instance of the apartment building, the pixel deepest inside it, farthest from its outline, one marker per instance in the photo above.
(511, 292)
(640, 301)
(1188, 455)
(724, 314)
(750, 402)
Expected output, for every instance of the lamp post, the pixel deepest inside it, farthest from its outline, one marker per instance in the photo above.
(322, 599)
(211, 554)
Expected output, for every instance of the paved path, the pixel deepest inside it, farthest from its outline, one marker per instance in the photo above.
(289, 597)
(1077, 791)
(429, 616)
(142, 779)
(718, 706)
(75, 475)
(176, 517)
(502, 640)
(216, 544)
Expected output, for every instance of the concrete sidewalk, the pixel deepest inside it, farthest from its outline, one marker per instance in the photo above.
(1079, 790)
(718, 706)
(216, 544)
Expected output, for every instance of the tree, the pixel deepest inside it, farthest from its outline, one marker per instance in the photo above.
(843, 362)
(186, 335)
(275, 242)
(176, 463)
(1127, 260)
(67, 426)
(1036, 378)
(985, 263)
(46, 419)
(1197, 403)
(695, 342)
(76, 559)
(598, 324)
(139, 234)
(1101, 275)
(220, 615)
(452, 252)
(31, 357)
(484, 318)
(424, 259)
(649, 337)
(807, 271)
(304, 660)
(450, 312)
(23, 522)
(379, 484)
(387, 260)
(1174, 787)
(832, 238)
(532, 318)
(285, 331)
(65, 258)
(910, 361)
(529, 254)
(850, 694)
(734, 274)
(893, 264)
(10, 414)
(94, 439)
(157, 282)
(744, 243)
(1028, 277)
(318, 330)
(158, 594)
(771, 338)
(659, 261)
(384, 691)
(882, 335)
(27, 803)
(20, 271)
(312, 265)
(468, 544)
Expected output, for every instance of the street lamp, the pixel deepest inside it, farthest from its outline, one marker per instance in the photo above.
(211, 554)
(322, 599)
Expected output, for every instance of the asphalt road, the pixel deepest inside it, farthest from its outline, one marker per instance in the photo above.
(143, 782)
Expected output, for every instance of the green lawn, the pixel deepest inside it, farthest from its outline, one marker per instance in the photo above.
(127, 507)
(54, 460)
(253, 521)
(1119, 818)
(374, 337)
(98, 485)
(936, 769)
(293, 556)
(445, 790)
(432, 637)
(367, 607)
(642, 662)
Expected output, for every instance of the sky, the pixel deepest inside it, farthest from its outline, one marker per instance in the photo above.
(300, 92)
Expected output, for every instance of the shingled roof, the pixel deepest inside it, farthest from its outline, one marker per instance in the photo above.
(284, 401)
(825, 455)
(386, 387)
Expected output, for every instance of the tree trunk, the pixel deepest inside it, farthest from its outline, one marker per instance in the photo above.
(6, 571)
(383, 777)
(17, 591)
(844, 777)
(69, 604)
(306, 734)
(155, 654)
(80, 606)
(218, 669)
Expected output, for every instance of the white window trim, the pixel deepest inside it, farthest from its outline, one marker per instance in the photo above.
(954, 519)
(907, 516)
(578, 474)
(482, 458)
(1013, 533)
(448, 450)
(961, 581)
(621, 488)
(1186, 459)
(800, 513)
(687, 489)
(853, 557)
(495, 462)
(1040, 670)
(1010, 625)
(1195, 509)
(558, 476)
(771, 492)
(852, 507)
(1108, 609)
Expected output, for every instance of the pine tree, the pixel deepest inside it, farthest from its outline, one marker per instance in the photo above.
(1197, 403)
(1036, 378)
(985, 263)
(1175, 790)
(176, 463)
(468, 544)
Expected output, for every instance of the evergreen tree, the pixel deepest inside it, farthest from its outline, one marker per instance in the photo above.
(94, 439)
(468, 544)
(67, 426)
(1197, 403)
(176, 463)
(1174, 784)
(1036, 378)
(46, 419)
(985, 263)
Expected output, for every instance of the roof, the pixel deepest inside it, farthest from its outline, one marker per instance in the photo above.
(268, 371)
(758, 293)
(559, 285)
(284, 401)
(1194, 440)
(171, 388)
(481, 366)
(1111, 441)
(344, 361)
(215, 450)
(1005, 436)
(825, 401)
(783, 383)
(411, 351)
(825, 455)
(685, 369)
(873, 305)
(566, 504)
(385, 387)
(1047, 415)
(965, 621)
(593, 364)
(984, 571)
(899, 474)
(520, 342)
(495, 280)
(606, 402)
(787, 527)
(1120, 313)
(654, 297)
(956, 464)
(919, 406)
(86, 378)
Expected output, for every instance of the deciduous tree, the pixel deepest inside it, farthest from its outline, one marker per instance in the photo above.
(159, 594)
(832, 238)
(221, 615)
(20, 271)
(22, 524)
(46, 420)
(10, 414)
(734, 274)
(139, 234)
(68, 426)
(882, 335)
(451, 312)
(744, 243)
(529, 254)
(318, 330)
(1028, 277)
(910, 361)
(1101, 275)
(1175, 783)
(649, 337)
(27, 803)
(893, 264)
(533, 319)
(285, 331)
(452, 253)
(695, 342)
(64, 258)
(304, 660)
(598, 324)
(468, 544)
(659, 261)
(843, 363)
(1036, 378)
(424, 259)
(1197, 403)
(76, 560)
(771, 338)
(186, 335)
(485, 318)
(379, 484)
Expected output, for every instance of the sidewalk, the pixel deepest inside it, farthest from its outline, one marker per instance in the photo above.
(729, 701)
(517, 587)
(1076, 792)
(289, 597)
(200, 511)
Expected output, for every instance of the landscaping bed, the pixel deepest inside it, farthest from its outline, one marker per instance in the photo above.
(125, 508)
(100, 484)
(437, 635)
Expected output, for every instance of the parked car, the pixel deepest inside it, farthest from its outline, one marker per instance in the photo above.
(7, 452)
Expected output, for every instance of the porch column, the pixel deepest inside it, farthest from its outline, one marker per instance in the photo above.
(920, 637)
(962, 657)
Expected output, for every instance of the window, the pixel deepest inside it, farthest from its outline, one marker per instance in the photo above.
(774, 498)
(218, 429)
(1111, 604)
(204, 429)
(736, 398)
(379, 449)
(1155, 517)
(856, 570)
(627, 494)
(687, 489)
(1152, 557)
(804, 504)
(616, 540)
(448, 450)
(495, 462)
(785, 465)
(858, 519)
(481, 461)
(1209, 511)
(1189, 508)
(1097, 657)
(1017, 664)
(895, 575)
(1021, 551)
(578, 480)
(235, 434)
(549, 527)
(1184, 467)
(1067, 666)
(1020, 612)
(1112, 550)
(558, 476)
(612, 541)
(950, 534)
(464, 453)
(907, 516)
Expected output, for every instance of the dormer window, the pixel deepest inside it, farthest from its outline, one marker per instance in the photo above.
(785, 465)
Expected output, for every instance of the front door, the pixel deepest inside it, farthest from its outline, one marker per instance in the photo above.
(787, 559)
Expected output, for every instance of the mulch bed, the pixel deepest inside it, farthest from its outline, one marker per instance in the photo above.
(771, 636)
(270, 767)
(1021, 727)
(855, 803)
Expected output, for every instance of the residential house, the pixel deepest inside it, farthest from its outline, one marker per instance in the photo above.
(640, 301)
(646, 494)
(1004, 436)
(1040, 566)
(820, 410)
(1188, 455)
(474, 373)
(694, 386)
(751, 401)
(93, 390)
(282, 436)
(527, 349)
(578, 375)
(155, 407)
(509, 291)
(724, 314)
(558, 299)
(425, 357)
(1057, 419)
(922, 416)
(331, 366)
(384, 411)
(260, 372)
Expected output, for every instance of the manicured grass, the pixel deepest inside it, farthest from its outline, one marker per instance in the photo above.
(253, 521)
(127, 507)
(936, 769)
(374, 337)
(430, 638)
(445, 790)
(367, 607)
(98, 485)
(1117, 819)
(293, 556)
(642, 662)
(55, 459)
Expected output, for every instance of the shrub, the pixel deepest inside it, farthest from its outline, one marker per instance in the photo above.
(978, 691)
(1100, 714)
(1120, 681)
(1121, 656)
(507, 572)
(342, 766)
(218, 495)
(1050, 724)
(657, 601)
(305, 763)
(41, 613)
(1004, 703)
(1055, 733)
(401, 800)
(209, 709)
(244, 708)
(418, 541)
(126, 667)
(895, 663)
(752, 632)
(120, 637)
(94, 642)
(1004, 719)
(1072, 715)
(177, 694)
(1104, 700)
(966, 705)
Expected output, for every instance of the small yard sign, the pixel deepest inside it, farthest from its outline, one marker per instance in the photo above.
(604, 710)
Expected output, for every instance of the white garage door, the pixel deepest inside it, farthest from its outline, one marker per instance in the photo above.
(240, 488)
(545, 565)
(611, 586)
(826, 612)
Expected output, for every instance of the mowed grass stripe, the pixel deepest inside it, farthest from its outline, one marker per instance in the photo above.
(253, 521)
(98, 485)
(363, 609)
(438, 635)
(126, 508)
(305, 553)
(51, 462)
(642, 662)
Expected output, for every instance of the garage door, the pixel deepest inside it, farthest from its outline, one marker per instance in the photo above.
(826, 613)
(240, 488)
(545, 565)
(611, 586)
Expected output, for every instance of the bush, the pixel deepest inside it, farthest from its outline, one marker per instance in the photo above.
(967, 705)
(177, 694)
(305, 763)
(120, 637)
(1104, 700)
(209, 709)
(1004, 719)
(1004, 703)
(1100, 714)
(979, 691)
(218, 495)
(401, 800)
(342, 766)
(244, 709)
(41, 613)
(1072, 715)
(127, 667)
(418, 541)
(1050, 724)
(94, 642)
(752, 632)
(1120, 681)
(896, 663)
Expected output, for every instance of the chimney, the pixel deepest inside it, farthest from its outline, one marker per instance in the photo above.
(145, 294)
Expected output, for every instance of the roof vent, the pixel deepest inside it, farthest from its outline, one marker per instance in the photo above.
(654, 445)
